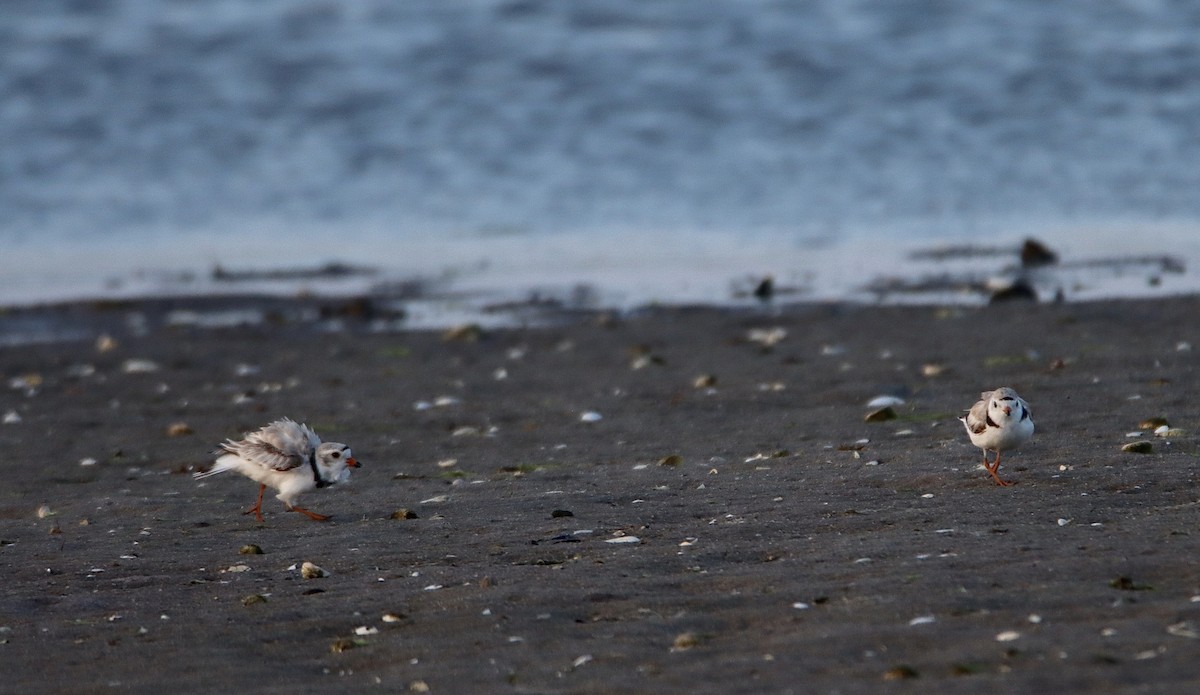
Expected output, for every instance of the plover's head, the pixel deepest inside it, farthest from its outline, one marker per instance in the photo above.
(334, 461)
(1004, 403)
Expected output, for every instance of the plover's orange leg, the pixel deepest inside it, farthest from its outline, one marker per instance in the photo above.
(994, 470)
(312, 515)
(256, 510)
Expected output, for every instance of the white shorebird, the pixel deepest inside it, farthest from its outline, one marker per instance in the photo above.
(288, 457)
(1001, 420)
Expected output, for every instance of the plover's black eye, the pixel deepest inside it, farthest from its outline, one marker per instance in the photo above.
(336, 454)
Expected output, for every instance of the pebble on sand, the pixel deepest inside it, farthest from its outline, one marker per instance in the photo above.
(1138, 448)
(881, 415)
(310, 571)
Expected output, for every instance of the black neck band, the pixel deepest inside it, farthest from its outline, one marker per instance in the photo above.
(312, 462)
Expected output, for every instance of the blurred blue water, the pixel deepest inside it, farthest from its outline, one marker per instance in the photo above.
(135, 121)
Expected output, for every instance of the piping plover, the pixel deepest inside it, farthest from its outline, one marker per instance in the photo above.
(288, 457)
(1001, 420)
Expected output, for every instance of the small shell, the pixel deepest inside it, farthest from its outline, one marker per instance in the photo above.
(624, 539)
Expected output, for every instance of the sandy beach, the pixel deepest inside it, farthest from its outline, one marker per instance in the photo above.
(675, 500)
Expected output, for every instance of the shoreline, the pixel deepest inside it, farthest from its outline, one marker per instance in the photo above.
(775, 546)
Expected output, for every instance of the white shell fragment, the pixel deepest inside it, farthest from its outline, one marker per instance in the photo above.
(766, 336)
(884, 401)
(364, 630)
(139, 366)
(591, 416)
(922, 620)
(624, 540)
(12, 417)
(310, 571)
(1008, 636)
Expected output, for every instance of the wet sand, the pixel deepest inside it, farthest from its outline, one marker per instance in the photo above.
(783, 544)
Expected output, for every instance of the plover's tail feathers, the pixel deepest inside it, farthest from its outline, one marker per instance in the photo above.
(225, 463)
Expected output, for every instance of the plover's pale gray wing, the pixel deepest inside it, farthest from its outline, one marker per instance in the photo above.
(976, 419)
(281, 445)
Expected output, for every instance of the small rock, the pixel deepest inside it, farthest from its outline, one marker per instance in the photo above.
(765, 289)
(466, 333)
(1018, 290)
(704, 381)
(44, 511)
(671, 461)
(178, 429)
(686, 640)
(881, 415)
(1008, 636)
(591, 416)
(899, 673)
(106, 343)
(1034, 253)
(250, 549)
(342, 644)
(560, 513)
(1138, 448)
(932, 369)
(11, 417)
(402, 514)
(310, 571)
(418, 687)
(1153, 423)
(253, 599)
